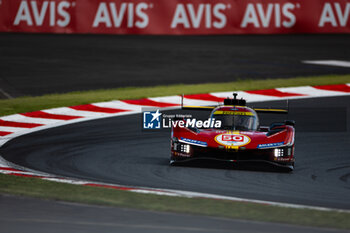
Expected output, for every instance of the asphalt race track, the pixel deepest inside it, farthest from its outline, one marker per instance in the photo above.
(115, 150)
(37, 64)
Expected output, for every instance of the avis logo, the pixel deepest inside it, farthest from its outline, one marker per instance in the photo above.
(152, 119)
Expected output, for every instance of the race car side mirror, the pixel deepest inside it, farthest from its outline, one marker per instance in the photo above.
(289, 122)
(276, 125)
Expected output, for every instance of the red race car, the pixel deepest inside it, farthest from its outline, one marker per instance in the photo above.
(239, 139)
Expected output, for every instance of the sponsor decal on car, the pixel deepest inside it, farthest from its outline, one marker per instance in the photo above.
(280, 159)
(270, 145)
(233, 113)
(232, 140)
(193, 142)
(180, 154)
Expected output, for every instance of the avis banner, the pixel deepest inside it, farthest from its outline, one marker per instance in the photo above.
(175, 17)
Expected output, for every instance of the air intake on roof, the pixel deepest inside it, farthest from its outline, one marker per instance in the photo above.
(235, 101)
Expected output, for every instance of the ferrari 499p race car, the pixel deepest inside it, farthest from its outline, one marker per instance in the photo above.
(239, 140)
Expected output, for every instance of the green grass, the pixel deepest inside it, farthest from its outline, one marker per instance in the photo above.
(103, 196)
(28, 104)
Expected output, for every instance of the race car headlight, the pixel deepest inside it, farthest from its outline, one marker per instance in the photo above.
(278, 152)
(185, 148)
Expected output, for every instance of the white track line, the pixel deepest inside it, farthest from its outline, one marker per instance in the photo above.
(247, 96)
(78, 182)
(18, 172)
(175, 99)
(20, 118)
(11, 129)
(311, 91)
(117, 104)
(7, 95)
(328, 63)
(73, 112)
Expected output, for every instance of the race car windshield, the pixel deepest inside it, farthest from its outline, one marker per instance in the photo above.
(237, 122)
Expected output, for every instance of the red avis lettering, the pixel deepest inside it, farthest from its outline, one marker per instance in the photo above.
(260, 16)
(112, 16)
(34, 13)
(189, 16)
(334, 13)
(234, 138)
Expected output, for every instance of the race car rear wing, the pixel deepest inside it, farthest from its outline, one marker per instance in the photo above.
(205, 108)
(258, 110)
(269, 110)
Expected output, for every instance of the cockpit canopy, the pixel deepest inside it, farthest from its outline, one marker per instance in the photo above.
(236, 118)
